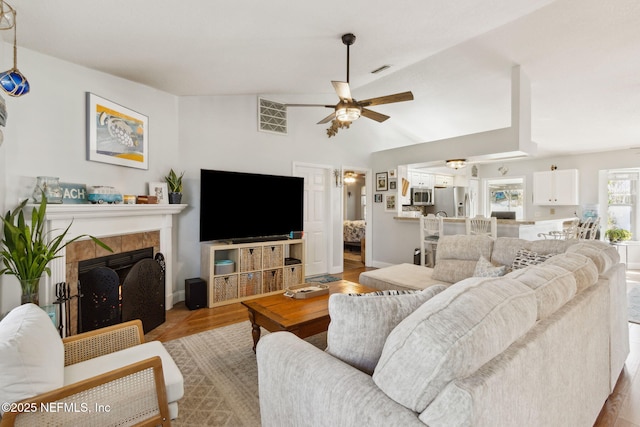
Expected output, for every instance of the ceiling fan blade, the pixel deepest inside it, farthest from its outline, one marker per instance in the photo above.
(328, 118)
(397, 97)
(374, 116)
(342, 89)
(310, 105)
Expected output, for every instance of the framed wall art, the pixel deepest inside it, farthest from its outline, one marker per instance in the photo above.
(160, 190)
(393, 184)
(116, 134)
(390, 203)
(377, 198)
(381, 181)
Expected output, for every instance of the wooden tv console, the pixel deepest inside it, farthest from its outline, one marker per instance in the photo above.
(259, 268)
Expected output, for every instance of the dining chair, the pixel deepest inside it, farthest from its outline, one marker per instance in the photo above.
(481, 225)
(431, 228)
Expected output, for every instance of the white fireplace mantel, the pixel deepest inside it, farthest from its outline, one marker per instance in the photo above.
(105, 221)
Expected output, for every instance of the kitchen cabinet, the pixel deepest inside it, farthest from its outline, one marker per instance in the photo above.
(556, 188)
(421, 179)
(443, 181)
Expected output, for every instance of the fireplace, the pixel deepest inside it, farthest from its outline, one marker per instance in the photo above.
(121, 287)
(121, 227)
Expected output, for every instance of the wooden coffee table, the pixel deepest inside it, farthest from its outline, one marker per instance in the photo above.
(302, 317)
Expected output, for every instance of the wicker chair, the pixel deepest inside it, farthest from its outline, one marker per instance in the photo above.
(132, 394)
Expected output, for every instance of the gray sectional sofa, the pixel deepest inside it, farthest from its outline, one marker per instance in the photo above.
(541, 345)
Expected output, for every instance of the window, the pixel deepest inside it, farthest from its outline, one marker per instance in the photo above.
(622, 187)
(505, 194)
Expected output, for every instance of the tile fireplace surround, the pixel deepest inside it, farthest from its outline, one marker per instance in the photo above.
(113, 223)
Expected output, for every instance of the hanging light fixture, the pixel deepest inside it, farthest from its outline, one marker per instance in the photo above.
(12, 81)
(456, 163)
(349, 177)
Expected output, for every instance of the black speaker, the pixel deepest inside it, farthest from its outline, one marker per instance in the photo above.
(195, 291)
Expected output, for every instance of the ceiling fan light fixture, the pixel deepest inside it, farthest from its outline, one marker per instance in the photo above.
(456, 163)
(348, 114)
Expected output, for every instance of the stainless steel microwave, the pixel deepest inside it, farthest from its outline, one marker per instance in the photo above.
(422, 196)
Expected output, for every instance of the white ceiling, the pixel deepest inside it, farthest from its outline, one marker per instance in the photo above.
(582, 57)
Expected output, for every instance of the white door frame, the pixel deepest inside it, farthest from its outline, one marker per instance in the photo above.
(368, 182)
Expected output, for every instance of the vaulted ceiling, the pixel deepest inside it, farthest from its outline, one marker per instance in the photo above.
(581, 57)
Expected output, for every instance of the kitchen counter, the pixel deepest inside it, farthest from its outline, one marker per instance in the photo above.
(524, 229)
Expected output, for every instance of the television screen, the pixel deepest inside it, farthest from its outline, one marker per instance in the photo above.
(244, 206)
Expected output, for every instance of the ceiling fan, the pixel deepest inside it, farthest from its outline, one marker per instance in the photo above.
(349, 109)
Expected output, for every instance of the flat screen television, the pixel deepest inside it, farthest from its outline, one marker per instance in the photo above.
(239, 206)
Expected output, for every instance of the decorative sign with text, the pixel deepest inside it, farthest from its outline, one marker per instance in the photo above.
(73, 193)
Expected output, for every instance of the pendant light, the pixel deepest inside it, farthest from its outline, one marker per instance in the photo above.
(12, 81)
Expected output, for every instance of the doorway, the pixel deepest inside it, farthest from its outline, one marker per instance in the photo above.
(354, 202)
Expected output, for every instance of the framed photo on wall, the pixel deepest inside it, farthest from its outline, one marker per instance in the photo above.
(393, 184)
(390, 203)
(377, 198)
(381, 181)
(116, 134)
(160, 190)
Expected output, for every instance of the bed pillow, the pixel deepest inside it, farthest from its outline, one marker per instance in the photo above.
(360, 323)
(484, 268)
(31, 354)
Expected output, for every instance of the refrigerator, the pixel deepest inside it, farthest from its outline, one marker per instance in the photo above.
(453, 201)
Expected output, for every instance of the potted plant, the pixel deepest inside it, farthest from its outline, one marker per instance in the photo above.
(617, 234)
(26, 248)
(175, 187)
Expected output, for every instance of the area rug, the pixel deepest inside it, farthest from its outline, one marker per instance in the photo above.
(633, 298)
(322, 278)
(220, 376)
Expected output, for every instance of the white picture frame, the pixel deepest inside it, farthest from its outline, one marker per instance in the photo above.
(160, 190)
(390, 203)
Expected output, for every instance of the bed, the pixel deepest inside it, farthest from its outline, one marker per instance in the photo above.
(353, 232)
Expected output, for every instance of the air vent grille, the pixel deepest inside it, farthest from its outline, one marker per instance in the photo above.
(272, 116)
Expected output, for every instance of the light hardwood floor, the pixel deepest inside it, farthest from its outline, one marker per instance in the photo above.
(622, 408)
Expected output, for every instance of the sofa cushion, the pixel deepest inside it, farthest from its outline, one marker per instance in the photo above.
(360, 325)
(583, 269)
(525, 258)
(451, 336)
(506, 248)
(31, 354)
(401, 276)
(484, 268)
(457, 256)
(603, 255)
(99, 365)
(553, 286)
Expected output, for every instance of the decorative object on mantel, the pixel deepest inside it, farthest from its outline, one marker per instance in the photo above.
(159, 191)
(175, 187)
(26, 248)
(456, 163)
(147, 200)
(49, 186)
(74, 193)
(104, 194)
(116, 134)
(12, 81)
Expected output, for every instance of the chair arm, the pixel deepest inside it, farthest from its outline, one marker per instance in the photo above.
(85, 346)
(133, 394)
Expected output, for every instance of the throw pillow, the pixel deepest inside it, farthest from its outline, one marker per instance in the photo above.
(31, 354)
(484, 268)
(525, 258)
(360, 325)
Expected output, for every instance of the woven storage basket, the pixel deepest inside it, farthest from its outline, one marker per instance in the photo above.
(272, 280)
(272, 256)
(225, 287)
(292, 275)
(250, 284)
(250, 259)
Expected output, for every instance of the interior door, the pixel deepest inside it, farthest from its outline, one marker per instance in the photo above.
(316, 218)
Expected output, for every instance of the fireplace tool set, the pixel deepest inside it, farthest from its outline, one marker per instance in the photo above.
(63, 298)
